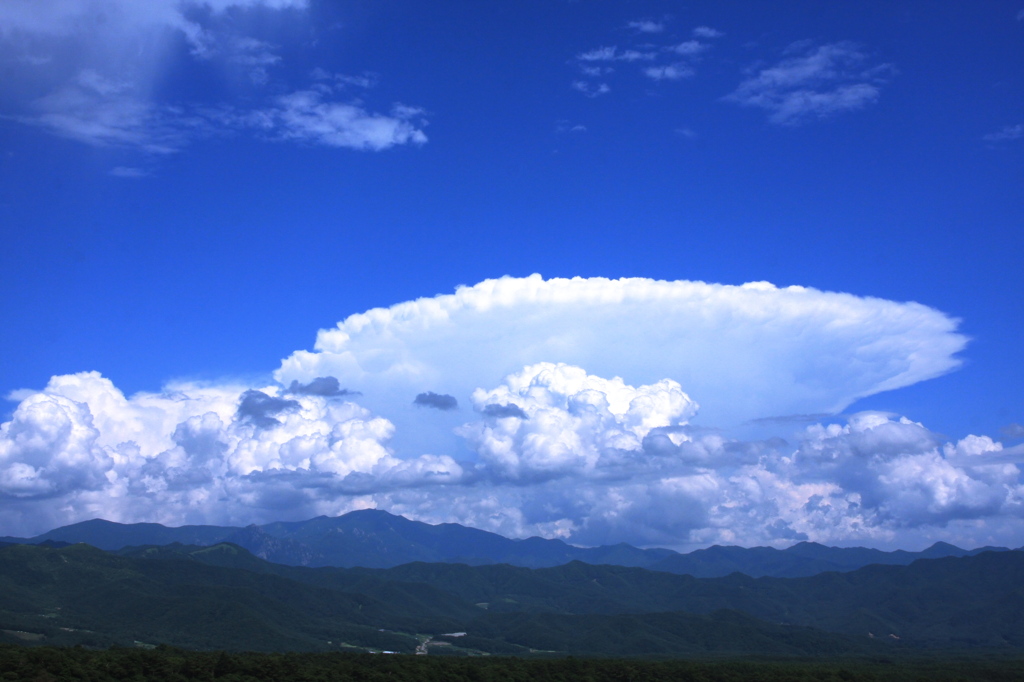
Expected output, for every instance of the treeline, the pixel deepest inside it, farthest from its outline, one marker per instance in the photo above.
(51, 664)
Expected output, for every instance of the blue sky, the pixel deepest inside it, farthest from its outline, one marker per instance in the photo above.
(190, 190)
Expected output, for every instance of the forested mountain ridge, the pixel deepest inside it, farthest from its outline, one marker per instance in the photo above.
(376, 539)
(224, 597)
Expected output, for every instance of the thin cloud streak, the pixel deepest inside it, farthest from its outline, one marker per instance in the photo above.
(1007, 133)
(666, 62)
(817, 83)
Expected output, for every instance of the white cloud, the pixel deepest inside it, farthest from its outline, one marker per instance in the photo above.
(688, 48)
(817, 83)
(115, 18)
(900, 474)
(877, 480)
(1014, 132)
(570, 127)
(80, 448)
(591, 89)
(743, 352)
(365, 80)
(49, 449)
(647, 26)
(670, 72)
(613, 54)
(570, 455)
(599, 54)
(593, 63)
(707, 32)
(557, 443)
(95, 110)
(128, 172)
(304, 115)
(553, 419)
(90, 71)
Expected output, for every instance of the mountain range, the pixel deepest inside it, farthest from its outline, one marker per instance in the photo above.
(222, 596)
(376, 539)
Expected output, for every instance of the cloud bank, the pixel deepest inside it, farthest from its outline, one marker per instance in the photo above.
(194, 453)
(583, 425)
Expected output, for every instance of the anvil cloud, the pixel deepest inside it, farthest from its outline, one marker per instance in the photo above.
(573, 412)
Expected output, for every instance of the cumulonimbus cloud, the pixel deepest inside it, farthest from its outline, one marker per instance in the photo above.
(552, 447)
(742, 352)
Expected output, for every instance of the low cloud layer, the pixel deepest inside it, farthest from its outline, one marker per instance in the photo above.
(584, 458)
(559, 447)
(81, 449)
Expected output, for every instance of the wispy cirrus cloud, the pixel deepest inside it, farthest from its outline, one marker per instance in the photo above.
(308, 116)
(565, 126)
(647, 26)
(814, 82)
(128, 172)
(707, 32)
(98, 111)
(670, 72)
(659, 61)
(688, 48)
(591, 89)
(614, 54)
(90, 71)
(1006, 133)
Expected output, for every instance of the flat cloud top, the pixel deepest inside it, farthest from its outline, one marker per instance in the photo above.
(742, 352)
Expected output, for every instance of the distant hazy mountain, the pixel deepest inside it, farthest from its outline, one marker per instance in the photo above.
(370, 538)
(800, 560)
(110, 535)
(377, 539)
